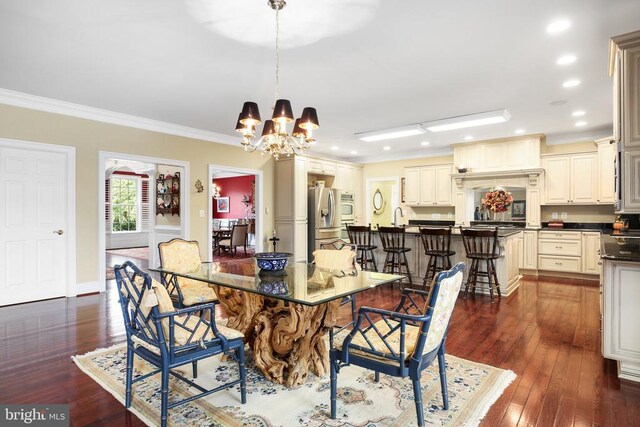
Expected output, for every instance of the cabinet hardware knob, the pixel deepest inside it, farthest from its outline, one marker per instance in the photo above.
(58, 232)
(558, 247)
(558, 263)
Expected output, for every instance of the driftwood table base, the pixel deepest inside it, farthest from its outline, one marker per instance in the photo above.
(286, 338)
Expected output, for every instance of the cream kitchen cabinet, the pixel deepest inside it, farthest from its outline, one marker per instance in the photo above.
(291, 206)
(428, 185)
(528, 250)
(508, 154)
(591, 252)
(624, 66)
(606, 171)
(569, 251)
(621, 317)
(321, 166)
(560, 251)
(626, 73)
(349, 181)
(571, 179)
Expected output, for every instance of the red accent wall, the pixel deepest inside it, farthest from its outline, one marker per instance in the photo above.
(235, 189)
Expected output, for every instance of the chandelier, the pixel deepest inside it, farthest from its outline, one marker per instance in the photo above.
(275, 140)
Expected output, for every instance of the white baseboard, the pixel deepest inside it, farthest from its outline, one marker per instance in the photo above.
(86, 288)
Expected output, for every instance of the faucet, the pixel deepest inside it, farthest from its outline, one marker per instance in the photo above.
(395, 222)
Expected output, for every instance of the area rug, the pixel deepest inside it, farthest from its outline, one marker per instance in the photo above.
(473, 388)
(141, 253)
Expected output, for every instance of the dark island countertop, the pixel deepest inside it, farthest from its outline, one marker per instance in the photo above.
(620, 248)
(455, 231)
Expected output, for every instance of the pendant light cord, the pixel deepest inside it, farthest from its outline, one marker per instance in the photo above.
(277, 55)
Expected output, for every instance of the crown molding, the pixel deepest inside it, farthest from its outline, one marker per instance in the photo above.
(25, 100)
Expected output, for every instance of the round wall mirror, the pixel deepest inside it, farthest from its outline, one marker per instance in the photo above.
(378, 200)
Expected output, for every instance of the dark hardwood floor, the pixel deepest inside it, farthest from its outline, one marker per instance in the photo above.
(547, 333)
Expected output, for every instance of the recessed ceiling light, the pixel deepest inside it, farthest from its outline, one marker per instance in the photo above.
(519, 131)
(468, 137)
(353, 152)
(391, 133)
(558, 26)
(578, 113)
(386, 148)
(571, 83)
(334, 148)
(424, 143)
(580, 124)
(467, 121)
(566, 60)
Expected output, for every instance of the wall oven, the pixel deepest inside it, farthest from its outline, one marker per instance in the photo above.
(347, 208)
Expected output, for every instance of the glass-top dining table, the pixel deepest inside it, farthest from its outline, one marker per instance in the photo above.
(283, 315)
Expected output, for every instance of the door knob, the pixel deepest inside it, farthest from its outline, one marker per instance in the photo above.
(58, 232)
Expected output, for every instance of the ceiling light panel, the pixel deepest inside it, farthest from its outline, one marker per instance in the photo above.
(391, 133)
(566, 60)
(467, 121)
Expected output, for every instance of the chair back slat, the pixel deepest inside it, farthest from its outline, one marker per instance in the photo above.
(481, 243)
(360, 234)
(133, 288)
(391, 237)
(436, 240)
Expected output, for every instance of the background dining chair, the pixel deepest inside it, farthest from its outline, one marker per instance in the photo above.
(183, 256)
(169, 338)
(238, 238)
(404, 341)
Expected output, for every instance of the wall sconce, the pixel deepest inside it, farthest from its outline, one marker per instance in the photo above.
(199, 187)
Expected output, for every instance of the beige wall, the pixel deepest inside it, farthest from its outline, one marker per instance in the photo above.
(574, 147)
(90, 137)
(384, 216)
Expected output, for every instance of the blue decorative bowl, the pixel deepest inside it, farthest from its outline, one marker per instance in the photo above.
(273, 284)
(272, 261)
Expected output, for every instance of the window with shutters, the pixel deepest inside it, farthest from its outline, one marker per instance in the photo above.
(125, 202)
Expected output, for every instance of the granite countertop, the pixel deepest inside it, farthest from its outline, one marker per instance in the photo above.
(580, 226)
(455, 231)
(620, 248)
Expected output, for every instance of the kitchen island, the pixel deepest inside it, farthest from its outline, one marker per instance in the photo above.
(620, 303)
(506, 266)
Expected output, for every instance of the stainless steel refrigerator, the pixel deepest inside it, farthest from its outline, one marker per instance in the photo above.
(324, 217)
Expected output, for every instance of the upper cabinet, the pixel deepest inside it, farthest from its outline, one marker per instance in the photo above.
(502, 155)
(321, 167)
(349, 181)
(428, 185)
(606, 170)
(624, 67)
(571, 179)
(626, 78)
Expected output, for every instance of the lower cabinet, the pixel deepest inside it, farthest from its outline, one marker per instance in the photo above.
(569, 251)
(621, 317)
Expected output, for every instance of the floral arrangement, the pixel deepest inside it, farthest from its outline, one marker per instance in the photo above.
(497, 200)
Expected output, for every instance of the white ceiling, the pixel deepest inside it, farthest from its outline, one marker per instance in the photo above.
(364, 64)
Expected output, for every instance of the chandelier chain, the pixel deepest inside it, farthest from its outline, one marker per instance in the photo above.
(277, 55)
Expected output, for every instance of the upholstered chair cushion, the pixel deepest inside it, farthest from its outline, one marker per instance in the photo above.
(410, 340)
(180, 255)
(343, 259)
(447, 296)
(184, 257)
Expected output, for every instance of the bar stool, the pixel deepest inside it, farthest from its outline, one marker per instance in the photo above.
(360, 235)
(481, 245)
(437, 244)
(392, 239)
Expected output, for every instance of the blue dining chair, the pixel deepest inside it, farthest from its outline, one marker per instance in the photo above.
(402, 344)
(168, 338)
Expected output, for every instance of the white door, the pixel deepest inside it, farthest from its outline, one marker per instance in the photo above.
(33, 220)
